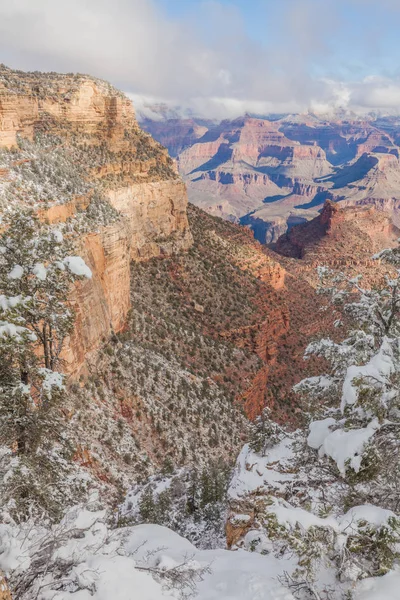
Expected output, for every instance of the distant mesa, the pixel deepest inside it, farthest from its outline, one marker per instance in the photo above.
(270, 173)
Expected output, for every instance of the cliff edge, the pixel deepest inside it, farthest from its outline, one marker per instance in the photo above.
(71, 148)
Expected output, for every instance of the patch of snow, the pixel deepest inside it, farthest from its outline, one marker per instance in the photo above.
(9, 330)
(120, 564)
(374, 515)
(8, 303)
(379, 588)
(77, 266)
(319, 430)
(58, 236)
(253, 471)
(240, 518)
(40, 271)
(379, 368)
(343, 446)
(289, 515)
(51, 379)
(16, 272)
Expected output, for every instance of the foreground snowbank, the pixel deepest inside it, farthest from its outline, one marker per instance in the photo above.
(84, 559)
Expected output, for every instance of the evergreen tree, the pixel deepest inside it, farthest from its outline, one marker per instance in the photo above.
(37, 268)
(264, 432)
(343, 500)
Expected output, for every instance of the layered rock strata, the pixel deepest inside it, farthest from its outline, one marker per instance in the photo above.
(78, 128)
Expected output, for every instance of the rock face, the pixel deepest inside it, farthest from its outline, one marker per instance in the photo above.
(339, 236)
(5, 593)
(270, 174)
(87, 130)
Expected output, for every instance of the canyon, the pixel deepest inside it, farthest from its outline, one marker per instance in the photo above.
(271, 174)
(189, 330)
(172, 285)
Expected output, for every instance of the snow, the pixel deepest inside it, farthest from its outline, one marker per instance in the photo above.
(343, 446)
(51, 379)
(9, 330)
(58, 236)
(8, 303)
(40, 271)
(374, 515)
(77, 266)
(379, 588)
(319, 430)
(289, 515)
(235, 575)
(240, 518)
(120, 564)
(12, 555)
(320, 381)
(253, 471)
(16, 272)
(379, 368)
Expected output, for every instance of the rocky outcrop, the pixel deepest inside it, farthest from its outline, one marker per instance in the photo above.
(339, 235)
(101, 303)
(5, 593)
(175, 134)
(111, 160)
(155, 214)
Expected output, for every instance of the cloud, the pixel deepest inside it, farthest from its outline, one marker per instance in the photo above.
(205, 60)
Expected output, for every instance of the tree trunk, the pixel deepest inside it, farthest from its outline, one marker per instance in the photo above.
(46, 348)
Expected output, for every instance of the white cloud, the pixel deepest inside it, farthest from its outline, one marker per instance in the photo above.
(205, 61)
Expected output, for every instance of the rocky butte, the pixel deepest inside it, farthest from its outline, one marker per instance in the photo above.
(272, 174)
(121, 187)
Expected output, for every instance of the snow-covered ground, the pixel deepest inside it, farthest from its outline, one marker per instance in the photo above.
(83, 558)
(144, 562)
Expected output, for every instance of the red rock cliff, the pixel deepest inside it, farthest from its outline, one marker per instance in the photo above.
(101, 140)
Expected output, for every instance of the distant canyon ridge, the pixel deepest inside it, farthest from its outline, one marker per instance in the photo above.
(272, 174)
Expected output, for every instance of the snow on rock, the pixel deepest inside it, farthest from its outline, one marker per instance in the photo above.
(253, 471)
(40, 271)
(377, 369)
(77, 266)
(343, 446)
(16, 272)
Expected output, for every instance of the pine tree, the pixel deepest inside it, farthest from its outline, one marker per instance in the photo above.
(37, 268)
(264, 432)
(340, 505)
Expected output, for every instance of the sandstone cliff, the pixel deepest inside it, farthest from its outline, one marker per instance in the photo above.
(73, 150)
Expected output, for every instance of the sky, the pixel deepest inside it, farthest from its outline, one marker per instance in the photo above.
(218, 58)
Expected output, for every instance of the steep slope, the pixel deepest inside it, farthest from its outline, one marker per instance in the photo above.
(73, 151)
(202, 336)
(214, 331)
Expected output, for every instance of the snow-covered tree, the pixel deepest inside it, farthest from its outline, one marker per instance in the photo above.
(264, 432)
(333, 487)
(37, 268)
